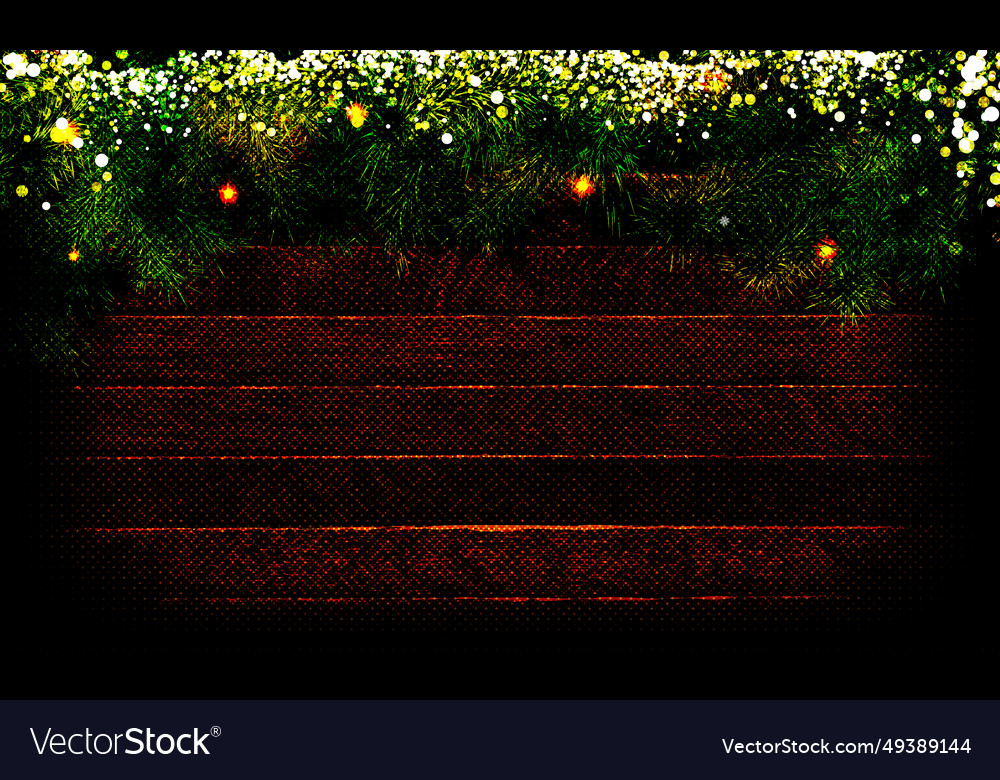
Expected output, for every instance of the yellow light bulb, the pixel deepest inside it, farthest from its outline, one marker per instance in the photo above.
(583, 186)
(357, 114)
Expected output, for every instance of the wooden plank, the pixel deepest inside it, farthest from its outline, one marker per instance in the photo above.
(544, 420)
(566, 279)
(380, 491)
(497, 561)
(219, 351)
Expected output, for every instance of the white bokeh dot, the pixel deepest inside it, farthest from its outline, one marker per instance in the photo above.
(497, 97)
(101, 160)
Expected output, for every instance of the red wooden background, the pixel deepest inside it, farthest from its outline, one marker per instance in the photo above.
(567, 439)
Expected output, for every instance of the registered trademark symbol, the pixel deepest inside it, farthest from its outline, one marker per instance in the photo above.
(216, 731)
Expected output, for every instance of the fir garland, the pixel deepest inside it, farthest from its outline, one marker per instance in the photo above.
(141, 168)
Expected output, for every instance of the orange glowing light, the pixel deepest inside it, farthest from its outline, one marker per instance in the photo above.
(228, 193)
(74, 256)
(357, 113)
(66, 136)
(826, 250)
(714, 81)
(583, 186)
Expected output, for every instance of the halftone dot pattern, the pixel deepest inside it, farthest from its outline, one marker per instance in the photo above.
(218, 350)
(502, 562)
(561, 280)
(517, 420)
(378, 491)
(488, 448)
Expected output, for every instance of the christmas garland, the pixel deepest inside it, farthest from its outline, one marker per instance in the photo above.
(142, 167)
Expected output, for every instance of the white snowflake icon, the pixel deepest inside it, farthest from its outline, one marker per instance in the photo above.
(724, 221)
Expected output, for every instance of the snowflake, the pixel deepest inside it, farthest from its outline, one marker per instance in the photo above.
(724, 221)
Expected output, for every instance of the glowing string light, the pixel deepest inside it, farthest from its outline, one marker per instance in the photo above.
(228, 193)
(357, 114)
(583, 186)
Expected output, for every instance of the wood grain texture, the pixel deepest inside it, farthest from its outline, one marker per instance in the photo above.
(569, 279)
(738, 349)
(376, 491)
(501, 562)
(277, 459)
(545, 420)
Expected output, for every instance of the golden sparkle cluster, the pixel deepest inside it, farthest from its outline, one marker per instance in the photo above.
(429, 86)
